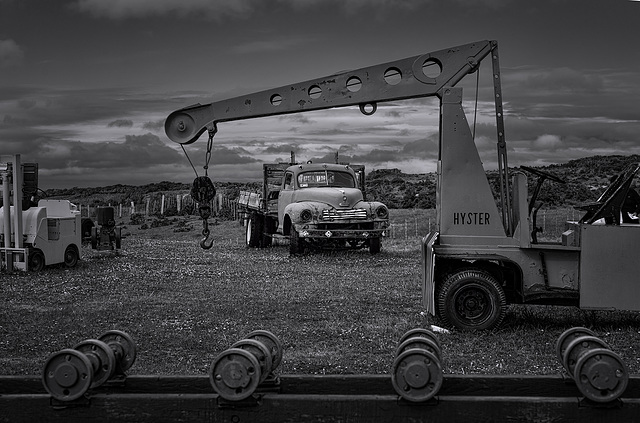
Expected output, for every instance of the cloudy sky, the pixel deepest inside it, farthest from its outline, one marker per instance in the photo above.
(85, 85)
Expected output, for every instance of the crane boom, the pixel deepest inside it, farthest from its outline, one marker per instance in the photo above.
(418, 76)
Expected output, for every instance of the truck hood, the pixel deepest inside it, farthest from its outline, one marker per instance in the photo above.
(336, 197)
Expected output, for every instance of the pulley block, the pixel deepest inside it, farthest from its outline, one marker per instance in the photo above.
(419, 342)
(102, 359)
(235, 374)
(421, 332)
(576, 348)
(569, 336)
(272, 342)
(202, 189)
(123, 348)
(261, 352)
(416, 375)
(601, 375)
(67, 375)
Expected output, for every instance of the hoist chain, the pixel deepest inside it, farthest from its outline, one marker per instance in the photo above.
(203, 192)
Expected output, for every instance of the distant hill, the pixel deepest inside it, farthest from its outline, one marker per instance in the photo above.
(585, 178)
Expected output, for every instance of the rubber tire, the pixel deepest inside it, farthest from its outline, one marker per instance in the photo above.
(71, 256)
(94, 238)
(296, 244)
(36, 261)
(485, 290)
(254, 232)
(118, 236)
(374, 245)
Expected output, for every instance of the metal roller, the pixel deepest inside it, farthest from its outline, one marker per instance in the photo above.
(416, 375)
(419, 342)
(67, 375)
(601, 375)
(235, 374)
(102, 359)
(261, 352)
(123, 348)
(576, 348)
(421, 332)
(567, 337)
(272, 342)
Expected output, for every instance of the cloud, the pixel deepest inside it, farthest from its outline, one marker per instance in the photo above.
(11, 54)
(124, 9)
(120, 123)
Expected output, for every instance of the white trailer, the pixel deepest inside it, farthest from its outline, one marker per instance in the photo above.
(32, 237)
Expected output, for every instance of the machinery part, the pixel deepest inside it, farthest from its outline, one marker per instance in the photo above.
(543, 174)
(296, 243)
(36, 260)
(416, 375)
(86, 225)
(569, 336)
(269, 228)
(118, 235)
(577, 348)
(94, 238)
(418, 342)
(123, 348)
(421, 332)
(102, 359)
(471, 299)
(235, 374)
(272, 343)
(601, 375)
(261, 352)
(67, 375)
(254, 230)
(374, 245)
(71, 256)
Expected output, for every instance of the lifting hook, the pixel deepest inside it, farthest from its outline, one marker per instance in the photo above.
(203, 243)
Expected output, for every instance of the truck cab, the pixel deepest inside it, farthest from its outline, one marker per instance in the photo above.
(322, 205)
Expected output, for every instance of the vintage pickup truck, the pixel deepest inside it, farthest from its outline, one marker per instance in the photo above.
(316, 205)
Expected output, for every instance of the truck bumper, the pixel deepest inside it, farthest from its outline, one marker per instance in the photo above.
(340, 233)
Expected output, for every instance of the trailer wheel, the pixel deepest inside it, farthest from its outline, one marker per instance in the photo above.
(471, 299)
(36, 261)
(254, 231)
(374, 245)
(71, 256)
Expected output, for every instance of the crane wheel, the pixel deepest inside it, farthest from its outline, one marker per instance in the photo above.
(471, 299)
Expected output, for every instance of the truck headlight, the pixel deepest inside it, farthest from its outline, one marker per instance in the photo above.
(382, 212)
(306, 215)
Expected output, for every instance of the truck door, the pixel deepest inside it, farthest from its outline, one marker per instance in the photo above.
(285, 197)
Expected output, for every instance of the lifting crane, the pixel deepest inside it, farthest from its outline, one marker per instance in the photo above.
(483, 254)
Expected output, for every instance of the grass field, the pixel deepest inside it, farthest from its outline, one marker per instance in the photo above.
(338, 312)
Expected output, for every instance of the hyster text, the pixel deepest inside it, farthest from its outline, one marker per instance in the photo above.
(471, 218)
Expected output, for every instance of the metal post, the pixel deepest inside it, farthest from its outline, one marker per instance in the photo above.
(6, 218)
(17, 201)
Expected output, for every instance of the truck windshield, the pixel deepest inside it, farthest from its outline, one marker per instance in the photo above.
(326, 178)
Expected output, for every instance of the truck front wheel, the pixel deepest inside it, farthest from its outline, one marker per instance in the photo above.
(471, 299)
(254, 231)
(374, 245)
(296, 244)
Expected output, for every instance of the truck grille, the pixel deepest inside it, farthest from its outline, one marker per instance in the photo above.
(352, 214)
